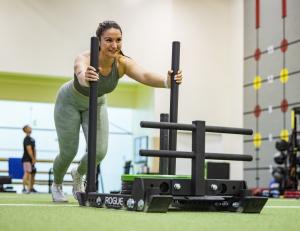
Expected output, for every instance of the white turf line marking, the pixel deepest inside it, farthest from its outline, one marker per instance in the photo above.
(40, 205)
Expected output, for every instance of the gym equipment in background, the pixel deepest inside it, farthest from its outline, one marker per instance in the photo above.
(15, 171)
(287, 173)
(5, 180)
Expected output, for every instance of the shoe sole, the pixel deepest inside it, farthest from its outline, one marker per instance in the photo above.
(60, 202)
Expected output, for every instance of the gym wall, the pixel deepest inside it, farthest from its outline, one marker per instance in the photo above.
(43, 37)
(211, 35)
(271, 80)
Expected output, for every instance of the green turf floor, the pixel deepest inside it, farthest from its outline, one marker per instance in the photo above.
(37, 212)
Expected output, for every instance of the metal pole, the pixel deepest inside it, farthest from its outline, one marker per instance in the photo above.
(92, 130)
(208, 156)
(50, 181)
(166, 125)
(163, 145)
(198, 162)
(191, 127)
(97, 177)
(174, 104)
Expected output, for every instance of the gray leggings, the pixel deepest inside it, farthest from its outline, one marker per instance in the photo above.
(71, 111)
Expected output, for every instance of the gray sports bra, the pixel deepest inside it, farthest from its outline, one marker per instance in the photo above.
(105, 84)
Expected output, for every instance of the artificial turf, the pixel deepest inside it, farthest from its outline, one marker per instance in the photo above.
(37, 212)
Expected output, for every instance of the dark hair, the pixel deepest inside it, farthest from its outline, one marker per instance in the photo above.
(24, 128)
(104, 26)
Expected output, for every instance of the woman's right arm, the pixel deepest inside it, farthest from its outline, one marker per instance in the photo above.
(81, 70)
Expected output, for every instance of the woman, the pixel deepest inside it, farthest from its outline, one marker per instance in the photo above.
(71, 107)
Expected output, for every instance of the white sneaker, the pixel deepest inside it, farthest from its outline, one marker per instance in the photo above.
(77, 182)
(57, 193)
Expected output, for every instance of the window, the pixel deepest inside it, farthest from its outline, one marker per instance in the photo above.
(14, 115)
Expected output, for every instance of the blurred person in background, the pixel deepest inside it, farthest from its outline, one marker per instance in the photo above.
(28, 160)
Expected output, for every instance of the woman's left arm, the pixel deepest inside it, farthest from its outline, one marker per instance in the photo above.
(136, 72)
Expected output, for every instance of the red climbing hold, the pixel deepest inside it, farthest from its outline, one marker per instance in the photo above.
(257, 54)
(284, 105)
(284, 45)
(257, 111)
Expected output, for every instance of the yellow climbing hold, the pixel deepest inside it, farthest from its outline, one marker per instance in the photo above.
(257, 140)
(284, 75)
(284, 135)
(257, 82)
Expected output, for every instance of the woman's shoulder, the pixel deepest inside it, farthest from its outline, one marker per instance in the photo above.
(83, 56)
(122, 61)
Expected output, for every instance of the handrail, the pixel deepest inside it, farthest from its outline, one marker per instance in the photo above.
(39, 160)
(38, 172)
(43, 182)
(180, 154)
(192, 127)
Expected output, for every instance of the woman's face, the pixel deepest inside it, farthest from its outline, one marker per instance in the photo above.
(111, 42)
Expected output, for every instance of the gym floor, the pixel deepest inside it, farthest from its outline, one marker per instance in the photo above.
(37, 212)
